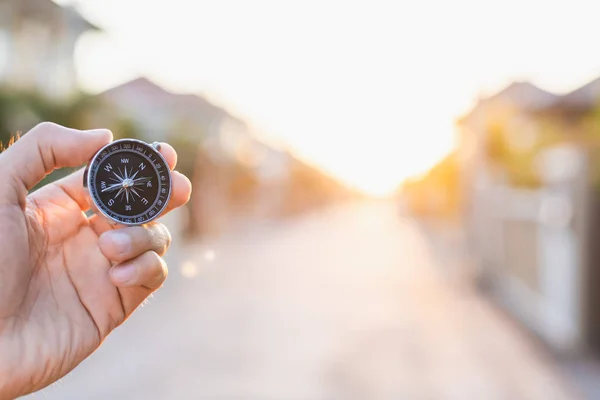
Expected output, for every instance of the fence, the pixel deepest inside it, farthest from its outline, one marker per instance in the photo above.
(534, 249)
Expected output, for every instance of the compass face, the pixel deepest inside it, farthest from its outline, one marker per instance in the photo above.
(129, 182)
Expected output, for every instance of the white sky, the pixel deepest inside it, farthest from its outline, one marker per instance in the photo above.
(366, 89)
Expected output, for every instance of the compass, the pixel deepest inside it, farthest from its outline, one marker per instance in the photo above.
(129, 181)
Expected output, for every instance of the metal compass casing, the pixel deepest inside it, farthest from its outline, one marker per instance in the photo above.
(129, 182)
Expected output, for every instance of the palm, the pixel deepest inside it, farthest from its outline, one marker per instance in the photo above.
(67, 282)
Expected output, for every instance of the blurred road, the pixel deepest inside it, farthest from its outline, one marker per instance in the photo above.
(349, 303)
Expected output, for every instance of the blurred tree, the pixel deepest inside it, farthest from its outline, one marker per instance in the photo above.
(186, 140)
(518, 165)
(126, 128)
(20, 111)
(497, 146)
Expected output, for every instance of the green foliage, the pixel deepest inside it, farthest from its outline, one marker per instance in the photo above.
(20, 111)
(187, 149)
(516, 164)
(37, 108)
(125, 128)
(497, 147)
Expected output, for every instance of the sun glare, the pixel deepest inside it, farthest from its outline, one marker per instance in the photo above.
(370, 94)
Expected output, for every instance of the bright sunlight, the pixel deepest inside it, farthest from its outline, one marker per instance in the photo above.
(371, 105)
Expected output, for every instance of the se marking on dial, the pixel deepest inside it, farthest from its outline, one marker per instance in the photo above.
(129, 181)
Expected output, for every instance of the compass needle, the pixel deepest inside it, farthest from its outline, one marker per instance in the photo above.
(112, 187)
(142, 180)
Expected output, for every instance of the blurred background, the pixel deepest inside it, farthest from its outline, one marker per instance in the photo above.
(392, 200)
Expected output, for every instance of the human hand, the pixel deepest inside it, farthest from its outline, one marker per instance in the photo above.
(66, 280)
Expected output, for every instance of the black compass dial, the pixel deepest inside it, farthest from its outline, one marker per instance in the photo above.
(129, 182)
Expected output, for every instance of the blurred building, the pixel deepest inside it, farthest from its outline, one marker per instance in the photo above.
(37, 41)
(583, 99)
(158, 113)
(530, 207)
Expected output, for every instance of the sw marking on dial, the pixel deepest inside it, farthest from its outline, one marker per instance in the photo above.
(129, 182)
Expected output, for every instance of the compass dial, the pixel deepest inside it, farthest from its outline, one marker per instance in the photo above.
(129, 182)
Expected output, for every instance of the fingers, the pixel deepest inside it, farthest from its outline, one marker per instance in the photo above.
(44, 148)
(181, 191)
(124, 244)
(147, 270)
(139, 269)
(170, 155)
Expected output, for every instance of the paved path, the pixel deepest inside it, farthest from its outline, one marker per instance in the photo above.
(344, 304)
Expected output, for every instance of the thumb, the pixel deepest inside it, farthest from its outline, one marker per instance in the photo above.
(44, 148)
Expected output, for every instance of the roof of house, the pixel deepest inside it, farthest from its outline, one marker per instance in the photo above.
(151, 105)
(528, 97)
(47, 11)
(584, 97)
(144, 89)
(75, 17)
(140, 87)
(522, 95)
(525, 95)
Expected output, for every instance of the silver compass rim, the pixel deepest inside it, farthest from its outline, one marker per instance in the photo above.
(154, 146)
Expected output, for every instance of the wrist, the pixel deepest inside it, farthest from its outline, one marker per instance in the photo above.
(10, 386)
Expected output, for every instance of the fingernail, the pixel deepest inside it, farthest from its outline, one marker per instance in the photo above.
(104, 133)
(121, 241)
(96, 131)
(123, 274)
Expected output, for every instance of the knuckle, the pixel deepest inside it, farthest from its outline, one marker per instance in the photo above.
(162, 238)
(164, 270)
(45, 127)
(142, 238)
(117, 248)
(153, 259)
(168, 238)
(159, 270)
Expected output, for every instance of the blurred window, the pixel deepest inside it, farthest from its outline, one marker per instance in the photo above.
(4, 52)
